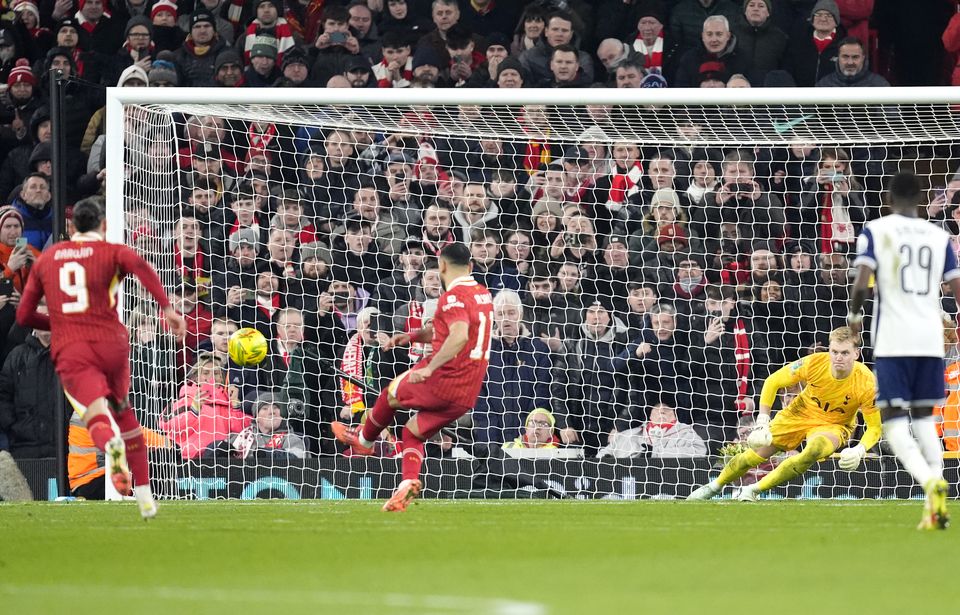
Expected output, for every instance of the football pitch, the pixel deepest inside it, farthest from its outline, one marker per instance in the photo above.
(512, 558)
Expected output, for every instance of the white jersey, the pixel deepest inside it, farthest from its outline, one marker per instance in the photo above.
(909, 257)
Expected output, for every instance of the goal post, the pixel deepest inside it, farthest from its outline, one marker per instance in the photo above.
(654, 255)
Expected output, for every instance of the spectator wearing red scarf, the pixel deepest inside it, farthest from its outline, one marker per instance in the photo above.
(106, 34)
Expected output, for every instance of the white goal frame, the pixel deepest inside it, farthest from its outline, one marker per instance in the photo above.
(246, 99)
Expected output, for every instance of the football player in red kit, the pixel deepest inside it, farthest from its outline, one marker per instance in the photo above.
(443, 386)
(89, 344)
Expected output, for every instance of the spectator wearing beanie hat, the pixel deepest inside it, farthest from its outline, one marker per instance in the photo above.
(224, 28)
(263, 71)
(762, 43)
(511, 74)
(228, 69)
(651, 39)
(133, 76)
(426, 65)
(78, 106)
(498, 50)
(268, 23)
(166, 34)
(15, 263)
(17, 104)
(138, 47)
(21, 73)
(28, 15)
(163, 72)
(812, 53)
(198, 55)
(295, 70)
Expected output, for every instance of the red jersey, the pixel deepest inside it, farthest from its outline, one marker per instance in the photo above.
(80, 279)
(459, 380)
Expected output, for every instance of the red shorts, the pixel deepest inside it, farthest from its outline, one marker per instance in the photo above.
(89, 371)
(433, 413)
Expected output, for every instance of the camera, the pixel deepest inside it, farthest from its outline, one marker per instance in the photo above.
(381, 323)
(338, 38)
(21, 244)
(574, 240)
(296, 408)
(341, 300)
(741, 187)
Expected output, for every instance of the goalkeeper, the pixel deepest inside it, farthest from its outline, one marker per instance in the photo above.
(824, 414)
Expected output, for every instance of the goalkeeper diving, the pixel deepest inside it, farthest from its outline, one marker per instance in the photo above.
(824, 415)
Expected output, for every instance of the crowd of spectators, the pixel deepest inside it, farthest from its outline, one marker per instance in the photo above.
(642, 292)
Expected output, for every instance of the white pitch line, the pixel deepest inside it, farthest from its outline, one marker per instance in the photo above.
(293, 597)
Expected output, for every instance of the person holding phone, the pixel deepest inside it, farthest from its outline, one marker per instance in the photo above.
(16, 254)
(831, 208)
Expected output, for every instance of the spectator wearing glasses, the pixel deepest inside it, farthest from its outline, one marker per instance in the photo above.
(538, 431)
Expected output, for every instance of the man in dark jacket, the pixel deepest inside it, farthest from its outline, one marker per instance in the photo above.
(718, 45)
(263, 71)
(199, 52)
(17, 105)
(28, 390)
(106, 34)
(16, 166)
(686, 20)
(80, 102)
(721, 351)
(852, 71)
(518, 379)
(813, 48)
(761, 44)
(33, 203)
(658, 366)
(582, 388)
(233, 292)
(356, 257)
(559, 31)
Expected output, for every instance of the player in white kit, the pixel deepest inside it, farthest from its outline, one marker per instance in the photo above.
(908, 257)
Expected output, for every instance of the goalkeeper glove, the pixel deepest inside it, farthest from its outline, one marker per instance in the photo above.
(760, 436)
(850, 457)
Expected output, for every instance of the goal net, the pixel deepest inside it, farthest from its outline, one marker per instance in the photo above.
(653, 257)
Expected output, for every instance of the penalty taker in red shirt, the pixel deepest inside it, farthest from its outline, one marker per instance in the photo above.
(443, 386)
(89, 345)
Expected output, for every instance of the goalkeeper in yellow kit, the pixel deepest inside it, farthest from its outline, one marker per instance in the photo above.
(824, 415)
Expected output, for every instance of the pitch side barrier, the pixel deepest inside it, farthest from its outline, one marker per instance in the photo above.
(579, 479)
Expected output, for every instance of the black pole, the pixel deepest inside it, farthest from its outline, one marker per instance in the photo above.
(57, 160)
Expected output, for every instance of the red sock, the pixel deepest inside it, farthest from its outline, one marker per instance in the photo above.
(101, 430)
(412, 460)
(136, 448)
(379, 418)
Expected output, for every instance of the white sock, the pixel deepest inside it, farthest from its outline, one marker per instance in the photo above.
(143, 494)
(363, 441)
(925, 432)
(715, 484)
(905, 447)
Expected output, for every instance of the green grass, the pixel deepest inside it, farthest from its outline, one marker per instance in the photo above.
(517, 558)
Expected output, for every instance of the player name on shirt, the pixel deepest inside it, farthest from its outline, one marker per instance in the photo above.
(73, 253)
